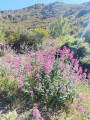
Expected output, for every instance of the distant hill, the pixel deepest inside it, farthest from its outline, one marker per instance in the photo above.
(41, 15)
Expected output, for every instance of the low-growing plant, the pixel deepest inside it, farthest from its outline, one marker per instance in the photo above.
(51, 74)
(10, 116)
(2, 35)
(79, 109)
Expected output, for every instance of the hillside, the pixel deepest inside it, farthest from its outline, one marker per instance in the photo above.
(40, 15)
(45, 62)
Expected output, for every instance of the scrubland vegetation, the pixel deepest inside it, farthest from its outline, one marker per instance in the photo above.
(44, 73)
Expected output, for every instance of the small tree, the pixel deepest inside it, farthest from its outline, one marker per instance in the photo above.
(59, 27)
(2, 35)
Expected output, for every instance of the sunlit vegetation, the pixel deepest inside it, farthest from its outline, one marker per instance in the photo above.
(45, 67)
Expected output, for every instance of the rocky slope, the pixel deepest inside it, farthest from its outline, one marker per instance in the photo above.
(40, 15)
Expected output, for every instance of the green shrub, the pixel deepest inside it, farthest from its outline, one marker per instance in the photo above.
(21, 38)
(40, 33)
(83, 49)
(2, 35)
(8, 84)
(11, 36)
(59, 28)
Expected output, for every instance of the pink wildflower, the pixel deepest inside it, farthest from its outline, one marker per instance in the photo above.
(82, 98)
(83, 113)
(81, 108)
(72, 84)
(85, 80)
(85, 70)
(9, 77)
(20, 83)
(80, 69)
(25, 68)
(48, 65)
(20, 77)
(67, 77)
(73, 60)
(40, 84)
(31, 92)
(30, 66)
(35, 104)
(64, 88)
(36, 113)
(37, 76)
(38, 68)
(16, 70)
(47, 90)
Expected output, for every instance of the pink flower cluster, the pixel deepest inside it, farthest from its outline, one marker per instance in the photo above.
(81, 98)
(42, 68)
(37, 115)
(40, 85)
(64, 88)
(31, 92)
(20, 83)
(72, 84)
(81, 108)
(37, 76)
(47, 90)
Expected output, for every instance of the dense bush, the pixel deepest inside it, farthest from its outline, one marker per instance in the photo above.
(83, 49)
(41, 74)
(40, 33)
(2, 35)
(59, 28)
(23, 39)
(20, 35)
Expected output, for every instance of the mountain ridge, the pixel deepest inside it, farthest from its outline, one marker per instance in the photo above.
(41, 15)
(48, 8)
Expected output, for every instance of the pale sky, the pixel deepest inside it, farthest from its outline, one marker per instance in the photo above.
(17, 4)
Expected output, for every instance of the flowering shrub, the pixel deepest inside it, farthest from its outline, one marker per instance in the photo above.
(2, 35)
(36, 115)
(41, 33)
(51, 73)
